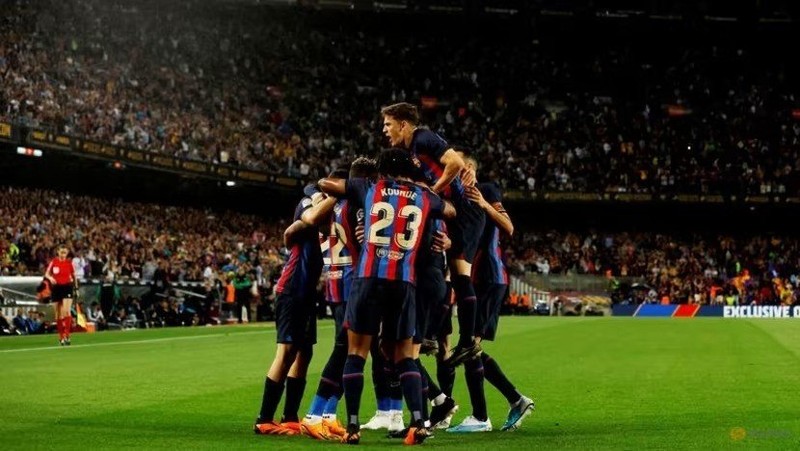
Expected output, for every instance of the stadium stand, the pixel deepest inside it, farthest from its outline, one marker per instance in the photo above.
(297, 93)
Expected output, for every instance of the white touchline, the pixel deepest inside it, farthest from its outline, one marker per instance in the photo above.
(138, 342)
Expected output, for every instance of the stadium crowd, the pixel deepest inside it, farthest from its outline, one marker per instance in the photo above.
(115, 241)
(703, 269)
(124, 240)
(130, 240)
(285, 91)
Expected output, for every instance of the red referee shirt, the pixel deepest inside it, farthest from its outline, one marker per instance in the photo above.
(62, 271)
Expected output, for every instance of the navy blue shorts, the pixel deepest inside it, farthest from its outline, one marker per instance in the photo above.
(339, 310)
(465, 230)
(490, 300)
(431, 291)
(295, 320)
(382, 306)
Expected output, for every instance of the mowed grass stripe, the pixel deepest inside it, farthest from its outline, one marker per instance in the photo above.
(785, 333)
(49, 340)
(135, 342)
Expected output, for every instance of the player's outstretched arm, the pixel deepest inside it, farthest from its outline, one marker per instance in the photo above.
(453, 166)
(495, 211)
(291, 232)
(320, 212)
(333, 187)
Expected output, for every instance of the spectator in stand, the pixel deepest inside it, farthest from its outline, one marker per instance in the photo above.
(192, 311)
(166, 314)
(5, 327)
(116, 320)
(243, 284)
(20, 322)
(94, 314)
(35, 323)
(229, 292)
(134, 312)
(161, 281)
(79, 263)
(173, 318)
(109, 294)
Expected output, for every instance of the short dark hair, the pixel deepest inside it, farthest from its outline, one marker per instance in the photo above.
(402, 112)
(396, 162)
(470, 159)
(363, 167)
(339, 173)
(466, 153)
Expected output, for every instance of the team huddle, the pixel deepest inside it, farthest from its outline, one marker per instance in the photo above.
(400, 237)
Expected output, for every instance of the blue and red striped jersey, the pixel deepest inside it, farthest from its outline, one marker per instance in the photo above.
(489, 266)
(323, 246)
(304, 265)
(427, 149)
(341, 250)
(395, 216)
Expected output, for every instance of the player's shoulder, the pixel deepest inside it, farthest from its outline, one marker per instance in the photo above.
(358, 187)
(433, 198)
(490, 188)
(424, 135)
(418, 187)
(310, 189)
(304, 204)
(360, 182)
(489, 185)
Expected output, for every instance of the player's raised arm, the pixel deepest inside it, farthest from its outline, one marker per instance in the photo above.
(317, 214)
(494, 211)
(453, 166)
(291, 232)
(333, 187)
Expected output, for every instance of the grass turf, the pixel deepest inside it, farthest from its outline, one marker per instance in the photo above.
(614, 383)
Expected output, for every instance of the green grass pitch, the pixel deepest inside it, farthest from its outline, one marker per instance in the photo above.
(599, 383)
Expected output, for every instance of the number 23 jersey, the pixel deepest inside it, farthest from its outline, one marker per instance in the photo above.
(395, 215)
